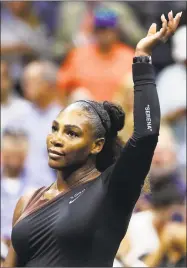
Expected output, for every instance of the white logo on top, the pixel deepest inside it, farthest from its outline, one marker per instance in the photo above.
(76, 196)
(148, 117)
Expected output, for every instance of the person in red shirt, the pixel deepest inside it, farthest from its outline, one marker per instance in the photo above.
(97, 68)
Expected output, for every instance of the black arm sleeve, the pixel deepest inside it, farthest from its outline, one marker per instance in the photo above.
(126, 177)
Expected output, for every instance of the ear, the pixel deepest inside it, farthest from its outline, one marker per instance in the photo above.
(97, 146)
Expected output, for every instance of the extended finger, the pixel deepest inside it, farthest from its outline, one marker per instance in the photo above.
(152, 29)
(163, 30)
(164, 23)
(177, 19)
(173, 26)
(170, 16)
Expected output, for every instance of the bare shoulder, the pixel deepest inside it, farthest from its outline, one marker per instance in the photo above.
(21, 204)
(11, 259)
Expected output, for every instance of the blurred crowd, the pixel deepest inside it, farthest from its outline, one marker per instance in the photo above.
(54, 53)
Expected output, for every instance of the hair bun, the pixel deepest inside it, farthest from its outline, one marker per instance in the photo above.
(117, 116)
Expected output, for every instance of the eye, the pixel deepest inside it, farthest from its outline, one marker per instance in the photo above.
(54, 128)
(72, 134)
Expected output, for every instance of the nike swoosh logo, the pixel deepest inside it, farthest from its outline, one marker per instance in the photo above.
(76, 197)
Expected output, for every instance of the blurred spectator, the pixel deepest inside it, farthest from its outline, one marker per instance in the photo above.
(164, 162)
(12, 106)
(22, 35)
(167, 198)
(164, 166)
(39, 87)
(14, 180)
(78, 30)
(143, 235)
(124, 96)
(143, 202)
(172, 250)
(48, 13)
(99, 67)
(171, 84)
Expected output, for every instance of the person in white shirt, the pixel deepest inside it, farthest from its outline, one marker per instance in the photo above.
(14, 179)
(39, 87)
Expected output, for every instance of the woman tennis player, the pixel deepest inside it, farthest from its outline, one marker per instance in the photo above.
(81, 219)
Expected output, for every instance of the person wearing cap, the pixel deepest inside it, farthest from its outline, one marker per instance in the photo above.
(98, 67)
(78, 30)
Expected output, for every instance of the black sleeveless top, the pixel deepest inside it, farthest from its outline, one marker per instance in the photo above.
(84, 227)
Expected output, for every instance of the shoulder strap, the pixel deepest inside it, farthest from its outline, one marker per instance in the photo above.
(36, 195)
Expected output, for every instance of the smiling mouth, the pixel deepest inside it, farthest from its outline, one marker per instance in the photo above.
(55, 154)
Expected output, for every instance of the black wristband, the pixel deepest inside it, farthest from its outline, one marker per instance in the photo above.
(142, 59)
(143, 71)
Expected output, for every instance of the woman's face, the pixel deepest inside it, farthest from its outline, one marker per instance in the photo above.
(71, 141)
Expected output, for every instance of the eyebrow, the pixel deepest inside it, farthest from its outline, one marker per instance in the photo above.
(72, 126)
(68, 126)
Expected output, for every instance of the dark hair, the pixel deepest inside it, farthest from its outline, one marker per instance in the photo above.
(107, 118)
(167, 192)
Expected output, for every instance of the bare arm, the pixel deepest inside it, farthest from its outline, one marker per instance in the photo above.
(11, 258)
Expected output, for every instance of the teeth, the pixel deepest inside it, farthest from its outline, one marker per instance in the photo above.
(53, 154)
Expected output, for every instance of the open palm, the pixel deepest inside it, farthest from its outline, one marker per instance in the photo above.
(153, 37)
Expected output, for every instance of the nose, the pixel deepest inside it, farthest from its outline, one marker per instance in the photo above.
(56, 141)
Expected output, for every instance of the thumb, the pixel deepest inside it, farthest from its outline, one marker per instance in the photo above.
(152, 29)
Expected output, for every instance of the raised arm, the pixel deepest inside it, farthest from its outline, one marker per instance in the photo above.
(128, 174)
